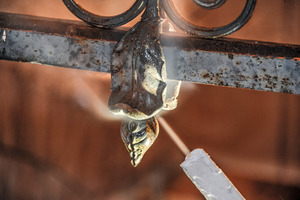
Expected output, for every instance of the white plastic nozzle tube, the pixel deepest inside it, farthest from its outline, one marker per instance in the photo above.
(208, 177)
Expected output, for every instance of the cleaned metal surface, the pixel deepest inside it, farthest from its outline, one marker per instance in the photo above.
(223, 61)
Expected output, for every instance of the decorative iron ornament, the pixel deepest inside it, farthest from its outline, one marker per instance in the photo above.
(186, 26)
(139, 86)
(175, 17)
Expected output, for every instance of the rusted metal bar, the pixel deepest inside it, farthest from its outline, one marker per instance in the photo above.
(227, 62)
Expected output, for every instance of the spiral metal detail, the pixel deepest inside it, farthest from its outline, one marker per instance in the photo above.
(106, 22)
(210, 4)
(172, 13)
(186, 26)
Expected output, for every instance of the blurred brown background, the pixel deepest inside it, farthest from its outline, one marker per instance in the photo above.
(58, 141)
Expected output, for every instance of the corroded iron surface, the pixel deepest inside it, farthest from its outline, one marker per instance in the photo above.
(241, 71)
(223, 61)
(138, 71)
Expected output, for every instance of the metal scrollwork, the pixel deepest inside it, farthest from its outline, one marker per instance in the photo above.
(139, 85)
(106, 22)
(210, 4)
(186, 26)
(139, 5)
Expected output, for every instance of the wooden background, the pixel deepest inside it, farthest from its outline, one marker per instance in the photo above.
(58, 140)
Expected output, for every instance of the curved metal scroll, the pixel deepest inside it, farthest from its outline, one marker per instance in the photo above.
(106, 22)
(210, 4)
(209, 32)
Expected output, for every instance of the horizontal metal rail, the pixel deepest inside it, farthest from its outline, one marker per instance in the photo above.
(226, 62)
